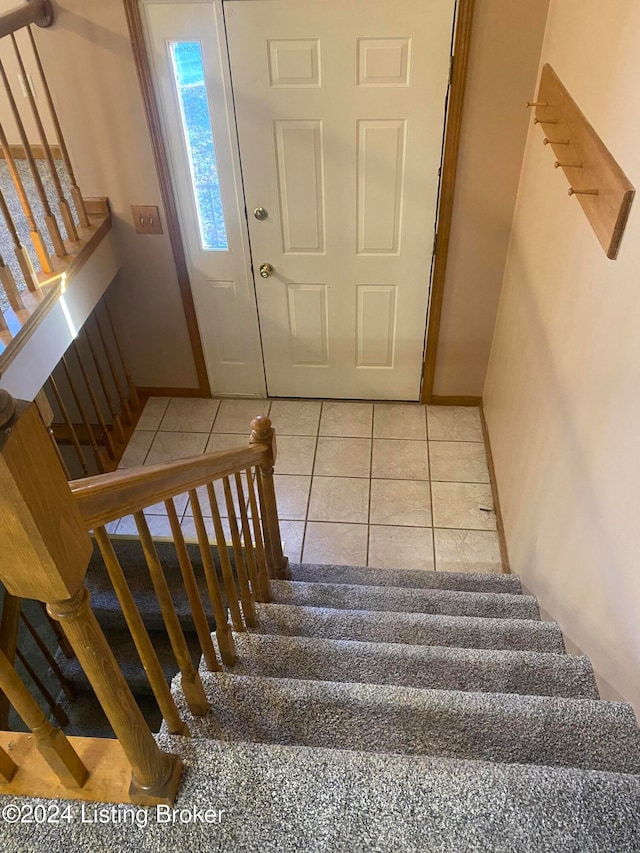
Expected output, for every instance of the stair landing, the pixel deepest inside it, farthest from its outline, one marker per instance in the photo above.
(381, 485)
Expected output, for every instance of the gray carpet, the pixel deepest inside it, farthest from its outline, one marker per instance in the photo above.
(413, 628)
(413, 578)
(105, 602)
(296, 800)
(386, 718)
(387, 711)
(439, 667)
(446, 602)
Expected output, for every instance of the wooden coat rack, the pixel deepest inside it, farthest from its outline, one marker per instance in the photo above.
(595, 178)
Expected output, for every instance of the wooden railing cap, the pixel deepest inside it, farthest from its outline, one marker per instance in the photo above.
(38, 12)
(261, 428)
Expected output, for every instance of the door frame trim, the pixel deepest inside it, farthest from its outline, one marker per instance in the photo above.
(460, 63)
(152, 112)
(462, 42)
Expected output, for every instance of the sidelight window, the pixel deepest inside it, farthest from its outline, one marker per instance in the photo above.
(188, 69)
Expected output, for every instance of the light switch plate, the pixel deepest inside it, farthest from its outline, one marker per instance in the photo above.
(146, 219)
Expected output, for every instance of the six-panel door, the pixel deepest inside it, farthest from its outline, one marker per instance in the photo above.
(340, 110)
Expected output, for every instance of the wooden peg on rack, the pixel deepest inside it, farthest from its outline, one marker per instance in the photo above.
(529, 104)
(589, 167)
(545, 120)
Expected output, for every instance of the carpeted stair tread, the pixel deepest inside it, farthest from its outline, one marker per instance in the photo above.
(281, 799)
(413, 628)
(437, 667)
(414, 578)
(498, 727)
(104, 601)
(403, 599)
(87, 719)
(127, 656)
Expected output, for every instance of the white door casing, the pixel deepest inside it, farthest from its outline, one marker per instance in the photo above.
(340, 106)
(221, 281)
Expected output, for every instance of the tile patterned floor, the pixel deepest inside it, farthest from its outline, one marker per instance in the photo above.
(377, 484)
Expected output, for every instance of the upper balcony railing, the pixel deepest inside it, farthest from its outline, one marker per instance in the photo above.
(57, 259)
(44, 220)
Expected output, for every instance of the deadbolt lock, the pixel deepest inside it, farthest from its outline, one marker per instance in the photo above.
(266, 270)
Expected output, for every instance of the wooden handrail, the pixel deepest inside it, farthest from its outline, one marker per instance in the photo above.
(38, 12)
(106, 497)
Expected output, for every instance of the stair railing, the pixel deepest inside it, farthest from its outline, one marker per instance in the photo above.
(92, 405)
(44, 528)
(40, 253)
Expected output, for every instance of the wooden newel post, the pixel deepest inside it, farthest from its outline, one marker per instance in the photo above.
(262, 433)
(44, 555)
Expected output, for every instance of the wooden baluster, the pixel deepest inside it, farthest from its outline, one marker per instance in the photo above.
(223, 631)
(83, 417)
(22, 257)
(63, 204)
(155, 774)
(248, 609)
(8, 767)
(82, 459)
(3, 322)
(140, 636)
(54, 708)
(261, 560)
(124, 403)
(268, 553)
(45, 553)
(10, 288)
(263, 434)
(191, 587)
(249, 548)
(51, 742)
(75, 189)
(49, 218)
(191, 681)
(53, 664)
(225, 564)
(106, 434)
(115, 417)
(133, 392)
(9, 626)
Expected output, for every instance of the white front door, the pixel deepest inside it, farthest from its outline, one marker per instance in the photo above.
(187, 51)
(340, 108)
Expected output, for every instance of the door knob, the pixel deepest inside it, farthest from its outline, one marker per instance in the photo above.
(260, 213)
(266, 270)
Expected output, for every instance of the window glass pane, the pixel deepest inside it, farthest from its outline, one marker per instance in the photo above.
(196, 121)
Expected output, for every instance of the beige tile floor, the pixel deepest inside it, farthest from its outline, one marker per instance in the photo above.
(373, 484)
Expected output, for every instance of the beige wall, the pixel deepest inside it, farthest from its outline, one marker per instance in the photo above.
(12, 70)
(563, 388)
(503, 61)
(90, 66)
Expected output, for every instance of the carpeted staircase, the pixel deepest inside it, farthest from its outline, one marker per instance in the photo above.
(389, 711)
